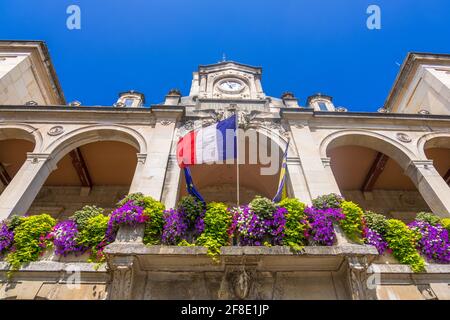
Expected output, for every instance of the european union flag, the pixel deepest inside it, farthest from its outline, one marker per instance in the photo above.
(190, 186)
(281, 192)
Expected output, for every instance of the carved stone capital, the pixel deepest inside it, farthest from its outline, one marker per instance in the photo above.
(358, 278)
(36, 158)
(122, 269)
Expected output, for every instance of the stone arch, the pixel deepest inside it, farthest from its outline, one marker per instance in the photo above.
(95, 133)
(434, 139)
(275, 139)
(363, 138)
(22, 131)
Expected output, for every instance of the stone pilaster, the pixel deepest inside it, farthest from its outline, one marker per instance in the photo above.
(123, 273)
(151, 172)
(358, 278)
(318, 177)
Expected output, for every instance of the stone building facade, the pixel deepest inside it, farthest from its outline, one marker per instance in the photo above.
(56, 157)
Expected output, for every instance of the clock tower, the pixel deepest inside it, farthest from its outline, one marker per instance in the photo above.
(227, 80)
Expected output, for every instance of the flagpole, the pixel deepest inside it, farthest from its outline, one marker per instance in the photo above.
(237, 157)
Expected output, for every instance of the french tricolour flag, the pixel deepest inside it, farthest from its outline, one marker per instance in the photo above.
(211, 144)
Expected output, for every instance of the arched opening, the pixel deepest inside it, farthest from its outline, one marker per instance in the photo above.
(438, 150)
(259, 169)
(371, 172)
(96, 173)
(14, 145)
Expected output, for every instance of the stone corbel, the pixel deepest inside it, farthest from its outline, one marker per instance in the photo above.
(238, 282)
(358, 278)
(141, 157)
(122, 269)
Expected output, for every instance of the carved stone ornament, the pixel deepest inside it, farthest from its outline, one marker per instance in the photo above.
(55, 131)
(122, 277)
(382, 110)
(341, 109)
(403, 137)
(357, 276)
(241, 283)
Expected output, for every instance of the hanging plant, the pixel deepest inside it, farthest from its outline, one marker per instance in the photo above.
(30, 239)
(352, 224)
(403, 242)
(434, 241)
(296, 226)
(64, 236)
(217, 224)
(321, 225)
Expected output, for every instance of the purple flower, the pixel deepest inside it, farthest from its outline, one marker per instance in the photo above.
(321, 225)
(175, 227)
(375, 239)
(129, 214)
(64, 236)
(277, 225)
(434, 243)
(250, 228)
(6, 238)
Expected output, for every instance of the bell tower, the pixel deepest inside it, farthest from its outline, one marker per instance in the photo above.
(227, 80)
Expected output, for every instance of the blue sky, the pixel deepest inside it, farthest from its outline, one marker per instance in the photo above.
(303, 46)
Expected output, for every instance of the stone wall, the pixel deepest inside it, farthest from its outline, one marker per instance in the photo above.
(62, 202)
(403, 205)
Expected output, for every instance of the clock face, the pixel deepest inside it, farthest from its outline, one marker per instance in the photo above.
(231, 86)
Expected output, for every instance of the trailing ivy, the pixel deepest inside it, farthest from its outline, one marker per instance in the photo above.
(215, 235)
(352, 224)
(403, 241)
(154, 226)
(296, 228)
(30, 239)
(95, 237)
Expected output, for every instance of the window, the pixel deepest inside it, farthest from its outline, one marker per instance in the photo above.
(129, 102)
(323, 106)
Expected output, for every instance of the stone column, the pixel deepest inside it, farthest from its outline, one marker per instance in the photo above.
(152, 169)
(17, 198)
(318, 178)
(431, 186)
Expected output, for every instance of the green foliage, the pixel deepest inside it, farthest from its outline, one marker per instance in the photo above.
(428, 217)
(93, 234)
(82, 216)
(446, 223)
(191, 207)
(402, 241)
(353, 222)
(14, 222)
(154, 226)
(296, 224)
(29, 239)
(331, 200)
(376, 222)
(137, 198)
(215, 235)
(263, 207)
(185, 243)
